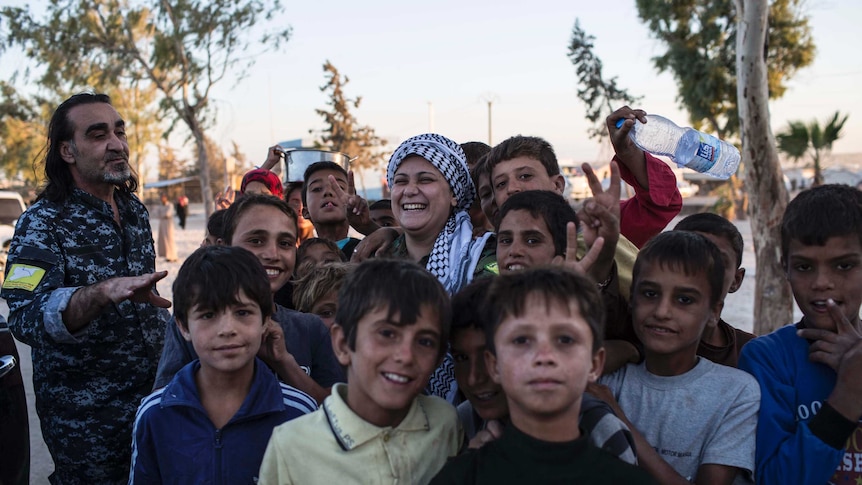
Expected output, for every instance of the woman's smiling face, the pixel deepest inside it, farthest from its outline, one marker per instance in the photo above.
(421, 197)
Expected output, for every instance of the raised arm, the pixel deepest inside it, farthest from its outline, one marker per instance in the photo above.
(627, 153)
(358, 214)
(657, 199)
(273, 155)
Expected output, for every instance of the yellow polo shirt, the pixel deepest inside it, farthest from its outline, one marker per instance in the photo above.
(335, 446)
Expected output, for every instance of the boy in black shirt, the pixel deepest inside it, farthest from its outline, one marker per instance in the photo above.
(544, 343)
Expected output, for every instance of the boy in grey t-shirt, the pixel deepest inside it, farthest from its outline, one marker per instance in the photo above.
(692, 419)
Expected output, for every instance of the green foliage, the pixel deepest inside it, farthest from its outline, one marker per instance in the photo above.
(343, 133)
(171, 165)
(601, 97)
(700, 37)
(794, 140)
(182, 48)
(800, 139)
(22, 136)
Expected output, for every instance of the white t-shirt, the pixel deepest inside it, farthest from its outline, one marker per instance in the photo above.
(707, 415)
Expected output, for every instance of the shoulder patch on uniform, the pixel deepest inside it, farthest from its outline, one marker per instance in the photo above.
(492, 267)
(23, 277)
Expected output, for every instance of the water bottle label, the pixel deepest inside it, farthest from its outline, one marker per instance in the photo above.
(706, 151)
(707, 154)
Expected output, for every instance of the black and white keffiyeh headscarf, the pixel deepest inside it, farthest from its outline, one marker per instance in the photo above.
(455, 254)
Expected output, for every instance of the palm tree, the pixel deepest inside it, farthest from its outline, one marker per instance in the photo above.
(800, 138)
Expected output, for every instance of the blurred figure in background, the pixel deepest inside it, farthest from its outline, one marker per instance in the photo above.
(182, 207)
(167, 247)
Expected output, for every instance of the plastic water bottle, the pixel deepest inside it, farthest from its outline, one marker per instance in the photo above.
(686, 146)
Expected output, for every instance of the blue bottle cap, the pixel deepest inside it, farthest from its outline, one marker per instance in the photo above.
(620, 122)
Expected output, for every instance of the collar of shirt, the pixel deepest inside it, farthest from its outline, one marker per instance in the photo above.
(351, 431)
(102, 206)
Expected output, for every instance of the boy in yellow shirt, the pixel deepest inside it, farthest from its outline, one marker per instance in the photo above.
(390, 328)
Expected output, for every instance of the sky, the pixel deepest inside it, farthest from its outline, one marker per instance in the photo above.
(432, 66)
(408, 60)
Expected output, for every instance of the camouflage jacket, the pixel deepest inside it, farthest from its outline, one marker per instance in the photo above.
(87, 384)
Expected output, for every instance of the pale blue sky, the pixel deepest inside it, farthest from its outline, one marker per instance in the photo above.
(402, 55)
(453, 53)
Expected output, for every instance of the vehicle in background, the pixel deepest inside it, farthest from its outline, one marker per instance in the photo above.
(11, 208)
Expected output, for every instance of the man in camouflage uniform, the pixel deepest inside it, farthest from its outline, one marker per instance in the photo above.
(79, 285)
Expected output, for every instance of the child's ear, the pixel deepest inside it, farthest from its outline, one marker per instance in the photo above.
(184, 330)
(220, 242)
(598, 364)
(560, 183)
(737, 280)
(491, 366)
(340, 344)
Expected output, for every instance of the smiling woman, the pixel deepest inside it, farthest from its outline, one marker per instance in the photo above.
(431, 194)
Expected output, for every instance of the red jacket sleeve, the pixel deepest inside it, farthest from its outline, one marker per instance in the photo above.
(651, 209)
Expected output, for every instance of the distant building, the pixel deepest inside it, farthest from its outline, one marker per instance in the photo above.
(840, 175)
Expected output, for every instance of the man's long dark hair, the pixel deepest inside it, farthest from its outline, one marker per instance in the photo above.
(59, 179)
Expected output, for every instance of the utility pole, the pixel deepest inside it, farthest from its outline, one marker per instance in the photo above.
(489, 98)
(490, 103)
(430, 117)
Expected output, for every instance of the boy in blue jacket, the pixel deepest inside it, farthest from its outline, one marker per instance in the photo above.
(810, 373)
(212, 422)
(298, 349)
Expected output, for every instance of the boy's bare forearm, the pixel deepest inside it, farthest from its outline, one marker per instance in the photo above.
(293, 375)
(712, 473)
(618, 353)
(651, 461)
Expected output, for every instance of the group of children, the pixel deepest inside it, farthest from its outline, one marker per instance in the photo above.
(577, 364)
